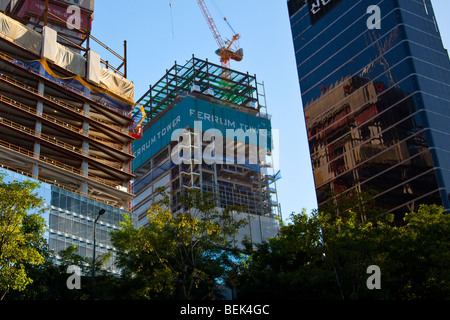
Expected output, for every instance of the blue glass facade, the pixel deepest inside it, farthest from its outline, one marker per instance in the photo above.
(376, 101)
(70, 220)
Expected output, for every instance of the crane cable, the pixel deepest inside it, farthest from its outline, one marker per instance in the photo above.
(171, 20)
(223, 15)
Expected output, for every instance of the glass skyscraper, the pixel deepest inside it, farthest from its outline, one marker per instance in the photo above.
(376, 99)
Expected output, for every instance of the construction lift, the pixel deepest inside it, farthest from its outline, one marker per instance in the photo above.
(228, 49)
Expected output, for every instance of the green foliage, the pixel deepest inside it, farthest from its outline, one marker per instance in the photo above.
(417, 266)
(319, 255)
(177, 256)
(325, 255)
(21, 234)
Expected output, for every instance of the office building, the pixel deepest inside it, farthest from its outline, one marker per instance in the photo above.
(206, 127)
(374, 79)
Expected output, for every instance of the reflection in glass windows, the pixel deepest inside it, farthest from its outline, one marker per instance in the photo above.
(376, 102)
(71, 222)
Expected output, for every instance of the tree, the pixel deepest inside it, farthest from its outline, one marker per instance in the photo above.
(326, 254)
(21, 234)
(419, 256)
(289, 266)
(350, 245)
(101, 287)
(180, 255)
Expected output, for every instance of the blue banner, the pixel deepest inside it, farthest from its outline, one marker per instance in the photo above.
(209, 115)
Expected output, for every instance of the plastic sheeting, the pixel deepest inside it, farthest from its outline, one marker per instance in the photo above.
(80, 86)
(117, 84)
(49, 44)
(20, 34)
(93, 68)
(65, 57)
(70, 60)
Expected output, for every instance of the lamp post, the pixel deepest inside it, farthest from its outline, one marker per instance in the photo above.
(101, 212)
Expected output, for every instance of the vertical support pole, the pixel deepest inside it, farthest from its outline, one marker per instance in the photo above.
(176, 79)
(88, 37)
(257, 94)
(150, 102)
(46, 13)
(194, 76)
(249, 87)
(125, 57)
(85, 145)
(207, 72)
(167, 83)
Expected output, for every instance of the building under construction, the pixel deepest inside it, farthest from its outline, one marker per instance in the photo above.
(190, 114)
(65, 120)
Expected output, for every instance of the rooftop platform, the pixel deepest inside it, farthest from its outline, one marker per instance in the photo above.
(227, 86)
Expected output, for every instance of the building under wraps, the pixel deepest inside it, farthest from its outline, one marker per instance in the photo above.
(207, 128)
(65, 120)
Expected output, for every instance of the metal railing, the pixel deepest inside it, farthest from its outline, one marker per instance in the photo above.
(63, 124)
(61, 144)
(60, 103)
(59, 164)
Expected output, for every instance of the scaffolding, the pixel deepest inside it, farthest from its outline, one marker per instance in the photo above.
(225, 85)
(36, 14)
(57, 123)
(250, 186)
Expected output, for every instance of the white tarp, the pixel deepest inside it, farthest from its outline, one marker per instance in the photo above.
(64, 57)
(20, 34)
(93, 68)
(49, 44)
(117, 84)
(70, 60)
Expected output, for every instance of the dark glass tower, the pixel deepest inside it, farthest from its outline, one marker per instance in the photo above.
(376, 101)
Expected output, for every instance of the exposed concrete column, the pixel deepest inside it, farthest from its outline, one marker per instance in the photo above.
(38, 129)
(84, 189)
(85, 150)
(85, 146)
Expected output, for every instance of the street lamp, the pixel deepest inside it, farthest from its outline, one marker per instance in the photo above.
(101, 212)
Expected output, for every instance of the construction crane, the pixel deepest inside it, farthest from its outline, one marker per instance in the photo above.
(228, 49)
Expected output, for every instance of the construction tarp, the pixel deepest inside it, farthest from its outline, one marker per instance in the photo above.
(117, 83)
(65, 58)
(49, 44)
(93, 68)
(20, 34)
(70, 60)
(80, 86)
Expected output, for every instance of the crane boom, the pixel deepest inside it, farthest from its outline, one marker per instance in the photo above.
(225, 52)
(211, 23)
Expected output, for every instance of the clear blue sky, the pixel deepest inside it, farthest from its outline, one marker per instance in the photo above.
(158, 36)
